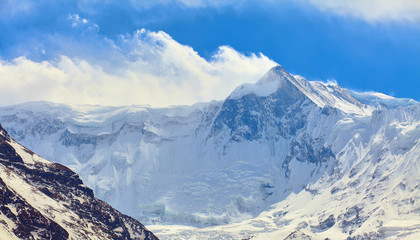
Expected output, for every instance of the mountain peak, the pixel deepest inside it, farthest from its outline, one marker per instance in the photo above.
(276, 74)
(274, 79)
(278, 80)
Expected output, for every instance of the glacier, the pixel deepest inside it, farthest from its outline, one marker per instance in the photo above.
(284, 156)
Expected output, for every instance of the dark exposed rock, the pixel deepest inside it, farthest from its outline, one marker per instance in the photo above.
(351, 219)
(325, 224)
(308, 149)
(72, 139)
(298, 235)
(366, 236)
(28, 221)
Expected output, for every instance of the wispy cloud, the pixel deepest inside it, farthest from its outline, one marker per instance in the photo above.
(369, 10)
(153, 69)
(372, 10)
(80, 22)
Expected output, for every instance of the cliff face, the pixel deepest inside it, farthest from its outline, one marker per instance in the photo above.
(44, 200)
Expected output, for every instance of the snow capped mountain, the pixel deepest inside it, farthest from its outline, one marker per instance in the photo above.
(282, 158)
(44, 200)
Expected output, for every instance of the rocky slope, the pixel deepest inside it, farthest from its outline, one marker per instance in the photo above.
(44, 200)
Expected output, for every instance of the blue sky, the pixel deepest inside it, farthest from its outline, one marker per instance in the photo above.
(182, 51)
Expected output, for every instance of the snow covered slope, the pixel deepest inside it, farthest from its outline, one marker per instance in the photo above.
(44, 200)
(280, 156)
(371, 190)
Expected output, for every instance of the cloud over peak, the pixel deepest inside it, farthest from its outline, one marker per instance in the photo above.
(152, 69)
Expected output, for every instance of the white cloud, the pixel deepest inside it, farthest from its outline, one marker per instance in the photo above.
(152, 69)
(372, 10)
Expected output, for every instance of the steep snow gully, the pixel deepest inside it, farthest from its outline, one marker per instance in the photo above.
(280, 158)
